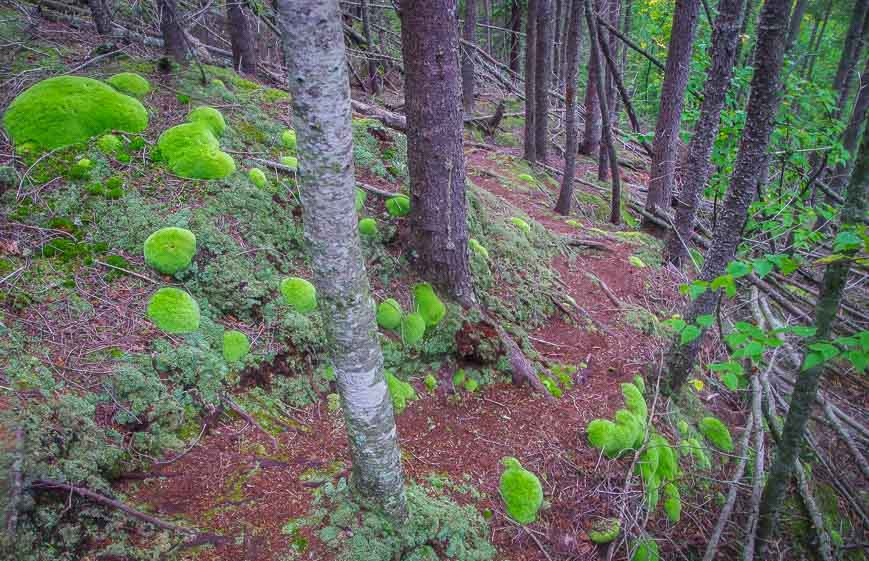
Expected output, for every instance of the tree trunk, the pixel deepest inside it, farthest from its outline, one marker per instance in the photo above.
(591, 138)
(470, 33)
(322, 118)
(763, 104)
(102, 16)
(487, 20)
(612, 13)
(574, 25)
(556, 46)
(543, 78)
(813, 55)
(173, 35)
(429, 47)
(805, 392)
(670, 112)
(747, 18)
(850, 55)
(373, 76)
(796, 21)
(725, 38)
(242, 37)
(515, 27)
(530, 79)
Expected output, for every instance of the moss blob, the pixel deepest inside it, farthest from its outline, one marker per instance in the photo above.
(130, 83)
(288, 139)
(398, 206)
(110, 144)
(400, 391)
(300, 294)
(605, 530)
(521, 491)
(478, 248)
(210, 117)
(236, 345)
(428, 304)
(191, 150)
(717, 433)
(368, 227)
(389, 314)
(412, 328)
(257, 177)
(68, 109)
(291, 162)
(645, 550)
(360, 199)
(521, 224)
(170, 250)
(174, 311)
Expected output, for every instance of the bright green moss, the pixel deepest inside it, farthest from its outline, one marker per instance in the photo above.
(400, 391)
(300, 294)
(717, 433)
(257, 177)
(210, 117)
(693, 447)
(471, 385)
(521, 491)
(288, 138)
(645, 550)
(291, 162)
(428, 304)
(191, 150)
(173, 311)
(170, 250)
(614, 438)
(360, 199)
(636, 262)
(68, 109)
(412, 328)
(478, 248)
(398, 206)
(526, 178)
(389, 314)
(368, 227)
(236, 345)
(81, 169)
(604, 530)
(640, 383)
(130, 83)
(110, 144)
(634, 401)
(521, 224)
(431, 383)
(672, 503)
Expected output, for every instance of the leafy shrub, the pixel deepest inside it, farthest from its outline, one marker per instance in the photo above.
(431, 383)
(717, 433)
(398, 206)
(236, 345)
(130, 83)
(412, 328)
(604, 530)
(389, 314)
(428, 304)
(300, 294)
(400, 391)
(170, 250)
(174, 311)
(521, 491)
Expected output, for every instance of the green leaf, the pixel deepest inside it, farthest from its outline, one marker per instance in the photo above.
(676, 324)
(826, 349)
(705, 320)
(859, 359)
(752, 350)
(762, 267)
(811, 360)
(696, 288)
(731, 366)
(730, 380)
(690, 333)
(847, 241)
(738, 269)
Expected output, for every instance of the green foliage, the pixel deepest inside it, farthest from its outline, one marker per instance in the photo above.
(236, 345)
(398, 206)
(130, 83)
(110, 144)
(645, 550)
(81, 169)
(380, 151)
(210, 117)
(521, 491)
(428, 304)
(174, 311)
(361, 196)
(368, 227)
(412, 328)
(389, 314)
(431, 383)
(170, 250)
(478, 248)
(717, 433)
(693, 447)
(288, 139)
(615, 438)
(400, 391)
(604, 530)
(634, 401)
(300, 294)
(192, 150)
(521, 224)
(258, 178)
(291, 162)
(68, 109)
(672, 503)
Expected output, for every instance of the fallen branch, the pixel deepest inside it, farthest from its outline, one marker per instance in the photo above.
(849, 441)
(376, 190)
(757, 479)
(609, 293)
(247, 417)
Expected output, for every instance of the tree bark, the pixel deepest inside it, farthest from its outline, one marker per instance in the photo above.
(470, 35)
(591, 138)
(747, 18)
(850, 55)
(530, 147)
(725, 38)
(320, 89)
(241, 37)
(429, 45)
(102, 16)
(173, 35)
(796, 21)
(763, 104)
(565, 196)
(805, 392)
(813, 54)
(543, 78)
(373, 76)
(556, 46)
(672, 97)
(612, 13)
(515, 27)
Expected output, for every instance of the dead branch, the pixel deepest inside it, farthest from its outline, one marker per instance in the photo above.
(849, 441)
(247, 417)
(757, 479)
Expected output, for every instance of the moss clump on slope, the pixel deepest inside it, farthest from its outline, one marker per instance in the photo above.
(174, 311)
(130, 83)
(521, 491)
(192, 150)
(68, 109)
(170, 250)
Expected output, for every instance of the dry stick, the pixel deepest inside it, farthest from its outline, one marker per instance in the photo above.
(129, 272)
(852, 446)
(247, 417)
(757, 476)
(609, 293)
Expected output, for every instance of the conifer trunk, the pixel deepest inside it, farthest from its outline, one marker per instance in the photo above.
(515, 27)
(574, 25)
(321, 116)
(795, 23)
(173, 35)
(591, 138)
(470, 35)
(438, 216)
(373, 76)
(850, 54)
(543, 78)
(102, 16)
(241, 37)
(763, 105)
(725, 38)
(612, 14)
(530, 146)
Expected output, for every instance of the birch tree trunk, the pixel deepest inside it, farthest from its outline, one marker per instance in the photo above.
(725, 38)
(574, 24)
(763, 105)
(530, 146)
(241, 37)
(805, 392)
(670, 111)
(543, 78)
(102, 16)
(470, 35)
(173, 35)
(436, 162)
(321, 116)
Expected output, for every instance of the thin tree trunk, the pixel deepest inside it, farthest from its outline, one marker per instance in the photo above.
(543, 79)
(515, 27)
(591, 138)
(530, 79)
(173, 35)
(626, 31)
(102, 16)
(556, 45)
(672, 97)
(241, 37)
(373, 76)
(725, 38)
(487, 19)
(805, 392)
(320, 88)
(747, 18)
(851, 134)
(613, 9)
(429, 45)
(574, 25)
(815, 50)
(796, 21)
(850, 55)
(470, 35)
(763, 105)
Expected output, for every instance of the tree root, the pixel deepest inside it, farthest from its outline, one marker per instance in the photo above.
(247, 417)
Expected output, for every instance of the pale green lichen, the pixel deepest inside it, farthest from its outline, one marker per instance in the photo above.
(173, 311)
(130, 83)
(428, 304)
(236, 345)
(521, 491)
(192, 150)
(170, 250)
(68, 109)
(300, 294)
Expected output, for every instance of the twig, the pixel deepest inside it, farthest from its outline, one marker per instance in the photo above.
(757, 479)
(247, 417)
(129, 272)
(609, 293)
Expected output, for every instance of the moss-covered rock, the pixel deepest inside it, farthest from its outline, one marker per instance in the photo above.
(236, 345)
(521, 491)
(389, 314)
(170, 250)
(68, 109)
(300, 294)
(130, 83)
(173, 311)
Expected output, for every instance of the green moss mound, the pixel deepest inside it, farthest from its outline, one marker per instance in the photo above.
(398, 206)
(236, 345)
(412, 328)
(170, 250)
(368, 227)
(389, 314)
(110, 144)
(210, 117)
(300, 294)
(291, 162)
(521, 224)
(645, 550)
(428, 304)
(634, 401)
(400, 391)
(288, 138)
(130, 83)
(717, 433)
(361, 196)
(604, 530)
(521, 491)
(257, 177)
(68, 109)
(191, 150)
(478, 248)
(173, 311)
